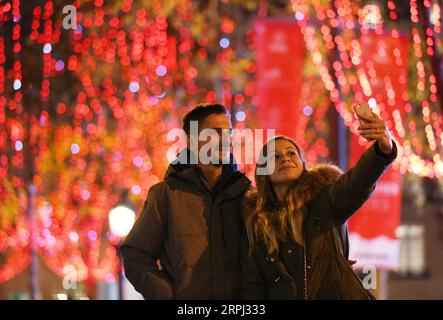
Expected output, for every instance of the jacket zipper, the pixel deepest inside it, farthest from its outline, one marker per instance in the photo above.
(305, 270)
(305, 260)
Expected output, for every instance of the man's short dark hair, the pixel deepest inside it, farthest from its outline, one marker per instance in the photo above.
(200, 112)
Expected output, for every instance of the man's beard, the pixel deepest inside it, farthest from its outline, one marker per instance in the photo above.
(221, 158)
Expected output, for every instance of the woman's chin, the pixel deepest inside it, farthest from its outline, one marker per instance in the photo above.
(287, 178)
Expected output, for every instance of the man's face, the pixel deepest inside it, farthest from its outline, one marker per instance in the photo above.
(219, 139)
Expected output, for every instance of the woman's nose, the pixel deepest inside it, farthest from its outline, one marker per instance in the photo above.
(285, 159)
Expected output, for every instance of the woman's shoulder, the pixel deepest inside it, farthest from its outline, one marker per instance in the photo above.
(314, 181)
(321, 175)
(249, 201)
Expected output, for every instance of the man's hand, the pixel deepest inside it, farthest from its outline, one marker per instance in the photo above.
(374, 128)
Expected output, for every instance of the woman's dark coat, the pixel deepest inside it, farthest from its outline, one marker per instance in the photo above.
(329, 199)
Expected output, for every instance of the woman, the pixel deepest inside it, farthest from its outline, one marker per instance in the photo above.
(296, 240)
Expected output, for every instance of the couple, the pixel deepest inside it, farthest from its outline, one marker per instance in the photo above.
(205, 233)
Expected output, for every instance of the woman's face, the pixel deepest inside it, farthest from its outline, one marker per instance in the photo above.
(288, 165)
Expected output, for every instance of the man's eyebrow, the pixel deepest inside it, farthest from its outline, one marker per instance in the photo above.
(230, 130)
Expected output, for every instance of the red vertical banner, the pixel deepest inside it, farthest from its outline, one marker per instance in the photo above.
(171, 57)
(372, 230)
(280, 54)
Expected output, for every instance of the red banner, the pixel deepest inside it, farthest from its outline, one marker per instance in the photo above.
(372, 230)
(280, 54)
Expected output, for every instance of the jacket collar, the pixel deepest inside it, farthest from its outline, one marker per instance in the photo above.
(307, 187)
(232, 181)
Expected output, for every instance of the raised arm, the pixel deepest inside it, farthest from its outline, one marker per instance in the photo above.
(353, 188)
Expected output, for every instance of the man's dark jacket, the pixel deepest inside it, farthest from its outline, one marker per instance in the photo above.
(194, 232)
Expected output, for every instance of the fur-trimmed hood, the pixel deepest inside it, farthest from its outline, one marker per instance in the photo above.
(307, 188)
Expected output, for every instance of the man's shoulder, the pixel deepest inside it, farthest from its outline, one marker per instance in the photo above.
(159, 188)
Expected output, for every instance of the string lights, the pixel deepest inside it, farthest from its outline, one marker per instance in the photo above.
(112, 87)
(356, 81)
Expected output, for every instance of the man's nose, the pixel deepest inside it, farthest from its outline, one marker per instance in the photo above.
(226, 138)
(227, 134)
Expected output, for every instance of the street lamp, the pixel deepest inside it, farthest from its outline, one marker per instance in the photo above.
(372, 16)
(121, 220)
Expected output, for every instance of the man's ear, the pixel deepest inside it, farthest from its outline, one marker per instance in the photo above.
(192, 140)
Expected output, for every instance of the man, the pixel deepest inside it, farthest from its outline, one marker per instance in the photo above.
(191, 221)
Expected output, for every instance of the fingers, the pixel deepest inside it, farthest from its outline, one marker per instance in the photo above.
(374, 125)
(372, 131)
(372, 136)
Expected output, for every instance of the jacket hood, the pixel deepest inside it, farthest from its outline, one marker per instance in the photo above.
(186, 159)
(185, 168)
(307, 186)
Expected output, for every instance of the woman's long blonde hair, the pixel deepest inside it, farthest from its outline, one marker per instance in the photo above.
(272, 220)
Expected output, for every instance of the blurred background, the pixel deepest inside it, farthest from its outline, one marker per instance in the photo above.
(89, 90)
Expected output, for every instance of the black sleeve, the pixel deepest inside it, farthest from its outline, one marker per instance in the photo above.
(253, 286)
(354, 187)
(142, 247)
